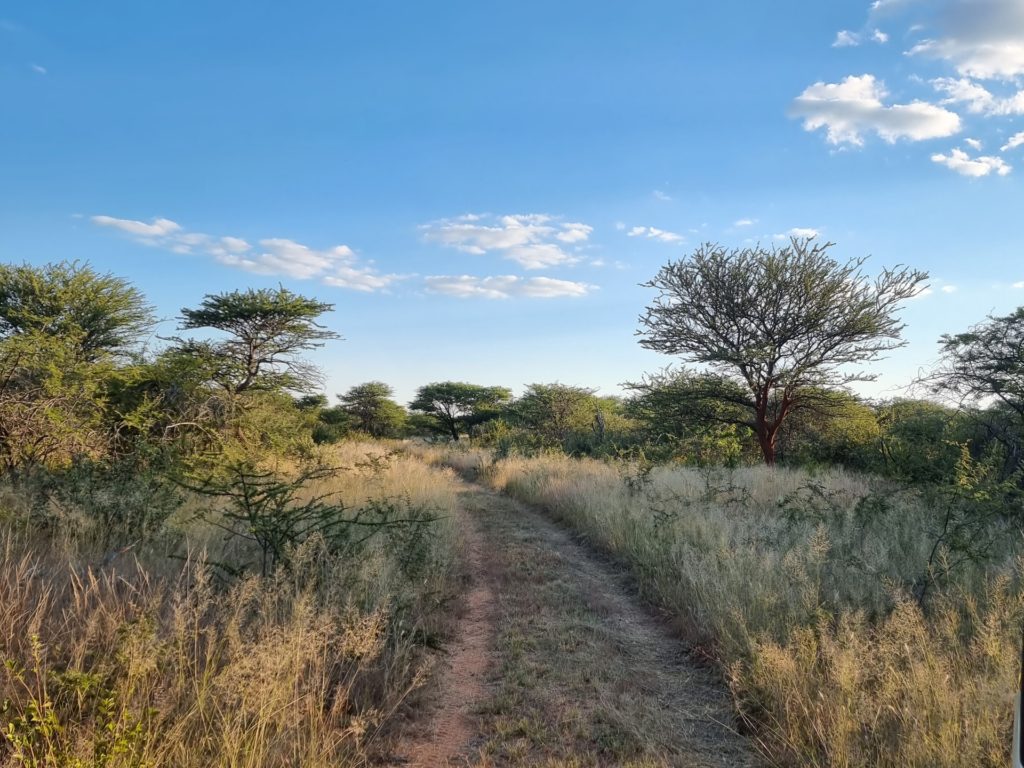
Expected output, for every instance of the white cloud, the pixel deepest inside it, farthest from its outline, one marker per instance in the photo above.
(798, 232)
(659, 195)
(845, 39)
(158, 227)
(1014, 141)
(39, 70)
(234, 244)
(848, 39)
(977, 98)
(744, 222)
(505, 287)
(959, 161)
(335, 266)
(534, 241)
(979, 38)
(855, 106)
(949, 289)
(654, 233)
(979, 44)
(1019, 285)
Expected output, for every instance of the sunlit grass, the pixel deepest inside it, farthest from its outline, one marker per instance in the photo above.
(150, 661)
(805, 604)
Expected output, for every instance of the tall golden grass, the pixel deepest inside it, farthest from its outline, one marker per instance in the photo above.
(830, 661)
(148, 661)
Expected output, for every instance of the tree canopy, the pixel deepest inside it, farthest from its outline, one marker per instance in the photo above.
(986, 362)
(372, 410)
(782, 323)
(266, 330)
(97, 313)
(552, 411)
(458, 405)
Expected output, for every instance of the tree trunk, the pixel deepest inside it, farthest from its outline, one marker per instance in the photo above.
(766, 440)
(768, 450)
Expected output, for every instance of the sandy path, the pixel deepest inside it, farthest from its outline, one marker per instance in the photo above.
(556, 662)
(449, 726)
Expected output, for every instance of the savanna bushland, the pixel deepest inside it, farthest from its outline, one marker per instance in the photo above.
(207, 561)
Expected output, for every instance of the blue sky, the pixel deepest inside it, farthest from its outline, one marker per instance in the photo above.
(481, 187)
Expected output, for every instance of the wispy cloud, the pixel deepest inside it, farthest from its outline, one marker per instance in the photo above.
(505, 287)
(38, 69)
(337, 266)
(798, 232)
(982, 165)
(854, 107)
(156, 227)
(744, 222)
(653, 233)
(977, 99)
(1015, 141)
(534, 241)
(659, 195)
(846, 38)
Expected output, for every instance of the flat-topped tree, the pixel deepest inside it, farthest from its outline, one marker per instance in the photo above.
(266, 330)
(458, 405)
(784, 324)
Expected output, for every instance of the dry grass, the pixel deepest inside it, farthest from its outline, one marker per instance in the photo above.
(804, 603)
(152, 662)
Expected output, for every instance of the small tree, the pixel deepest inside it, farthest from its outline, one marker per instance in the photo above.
(553, 411)
(372, 410)
(266, 331)
(457, 405)
(782, 323)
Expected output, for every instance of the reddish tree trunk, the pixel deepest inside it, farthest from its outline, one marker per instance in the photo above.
(766, 439)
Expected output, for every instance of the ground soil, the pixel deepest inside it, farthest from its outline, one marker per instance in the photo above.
(555, 662)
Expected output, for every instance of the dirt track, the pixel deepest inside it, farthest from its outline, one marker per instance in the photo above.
(555, 663)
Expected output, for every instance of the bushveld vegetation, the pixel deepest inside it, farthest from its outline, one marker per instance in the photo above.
(205, 562)
(186, 577)
(853, 625)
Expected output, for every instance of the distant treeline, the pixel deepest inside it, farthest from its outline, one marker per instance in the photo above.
(82, 382)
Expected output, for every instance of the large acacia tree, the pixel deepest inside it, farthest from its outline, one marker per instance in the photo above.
(784, 324)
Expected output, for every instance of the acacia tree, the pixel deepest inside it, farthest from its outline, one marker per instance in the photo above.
(64, 329)
(986, 362)
(372, 410)
(97, 314)
(266, 331)
(553, 411)
(782, 323)
(986, 365)
(458, 405)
